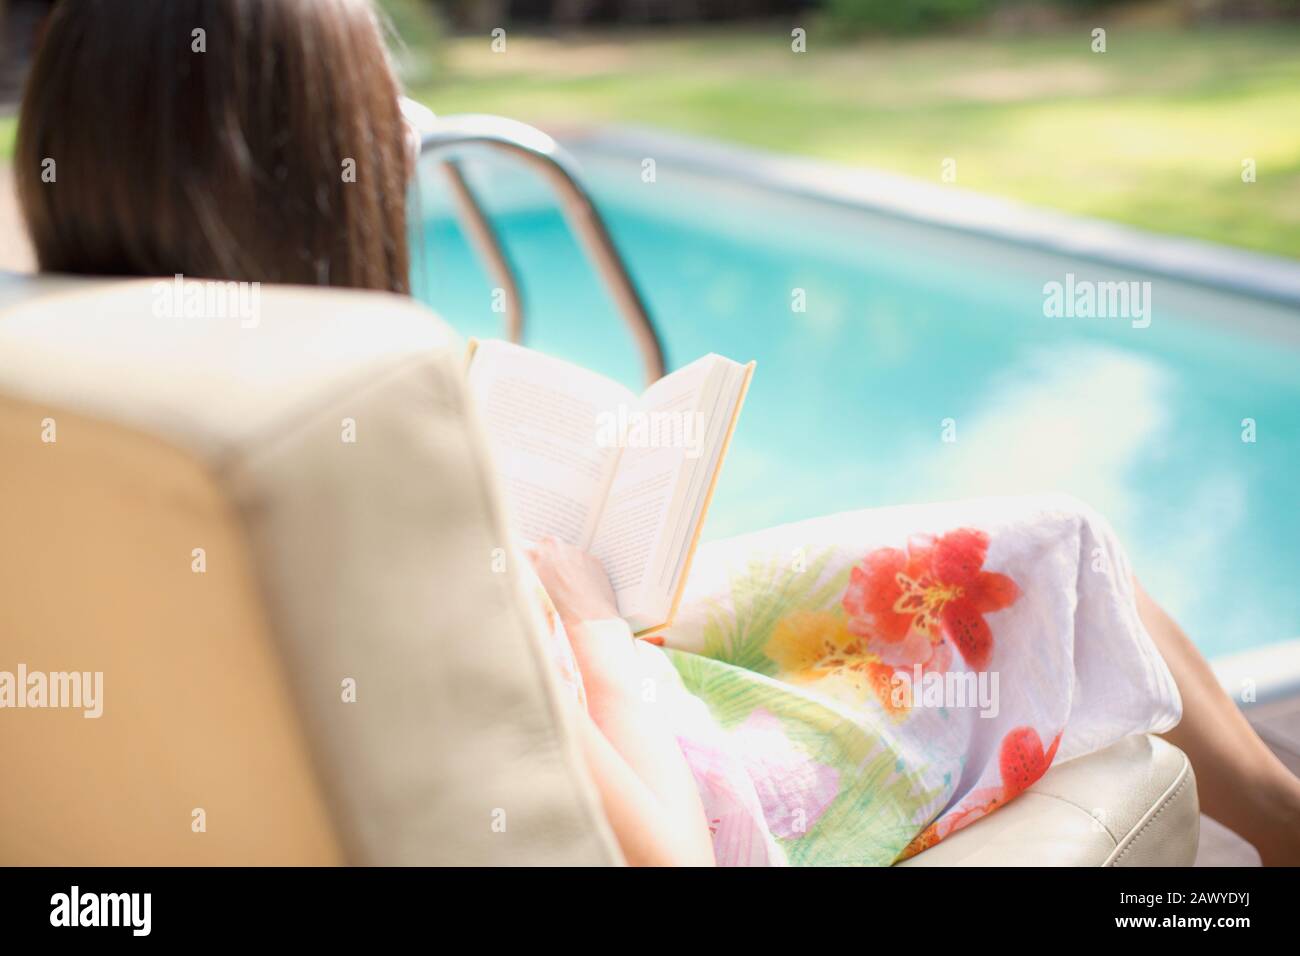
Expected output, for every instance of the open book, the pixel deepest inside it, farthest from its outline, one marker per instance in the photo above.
(627, 477)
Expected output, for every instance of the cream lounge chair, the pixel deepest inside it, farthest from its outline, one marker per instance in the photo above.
(225, 737)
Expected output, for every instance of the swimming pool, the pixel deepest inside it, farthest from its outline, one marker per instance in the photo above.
(911, 334)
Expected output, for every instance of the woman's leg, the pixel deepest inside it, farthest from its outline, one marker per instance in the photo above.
(1240, 782)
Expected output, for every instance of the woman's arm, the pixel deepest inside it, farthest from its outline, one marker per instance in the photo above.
(646, 787)
(655, 826)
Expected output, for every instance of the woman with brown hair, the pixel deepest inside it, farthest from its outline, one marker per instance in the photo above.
(242, 140)
(262, 140)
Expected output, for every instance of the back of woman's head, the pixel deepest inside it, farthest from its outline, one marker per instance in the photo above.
(249, 140)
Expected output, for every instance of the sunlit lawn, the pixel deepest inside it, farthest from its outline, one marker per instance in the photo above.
(8, 129)
(1153, 132)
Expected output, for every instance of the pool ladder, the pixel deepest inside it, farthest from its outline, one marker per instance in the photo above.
(443, 136)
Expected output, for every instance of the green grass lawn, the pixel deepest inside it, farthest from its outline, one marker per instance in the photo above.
(1152, 132)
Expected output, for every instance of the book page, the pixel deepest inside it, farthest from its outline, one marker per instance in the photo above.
(542, 417)
(660, 436)
(721, 397)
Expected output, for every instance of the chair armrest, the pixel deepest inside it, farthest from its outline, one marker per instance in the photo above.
(1132, 804)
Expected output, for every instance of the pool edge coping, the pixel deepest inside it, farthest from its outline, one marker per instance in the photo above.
(1199, 262)
(1274, 669)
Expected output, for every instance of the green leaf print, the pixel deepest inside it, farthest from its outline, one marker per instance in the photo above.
(760, 597)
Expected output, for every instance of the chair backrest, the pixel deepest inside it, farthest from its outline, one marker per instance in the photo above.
(269, 524)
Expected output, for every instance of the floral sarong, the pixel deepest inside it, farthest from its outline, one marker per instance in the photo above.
(851, 690)
(855, 688)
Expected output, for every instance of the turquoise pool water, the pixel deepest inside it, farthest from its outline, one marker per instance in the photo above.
(907, 326)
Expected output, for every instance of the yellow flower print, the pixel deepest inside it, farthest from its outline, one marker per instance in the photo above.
(809, 646)
(804, 642)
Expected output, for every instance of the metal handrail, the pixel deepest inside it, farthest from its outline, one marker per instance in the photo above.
(540, 152)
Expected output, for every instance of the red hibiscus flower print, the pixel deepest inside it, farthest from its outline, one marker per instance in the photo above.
(1021, 761)
(907, 602)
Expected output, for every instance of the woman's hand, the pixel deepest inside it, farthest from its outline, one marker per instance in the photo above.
(575, 581)
(581, 592)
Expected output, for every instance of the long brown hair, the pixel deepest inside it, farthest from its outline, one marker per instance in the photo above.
(247, 140)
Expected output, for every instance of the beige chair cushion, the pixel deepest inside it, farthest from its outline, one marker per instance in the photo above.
(96, 576)
(1132, 804)
(327, 561)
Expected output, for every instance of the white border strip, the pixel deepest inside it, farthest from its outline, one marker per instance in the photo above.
(1191, 260)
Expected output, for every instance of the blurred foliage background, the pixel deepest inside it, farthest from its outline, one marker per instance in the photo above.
(1153, 132)
(848, 15)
